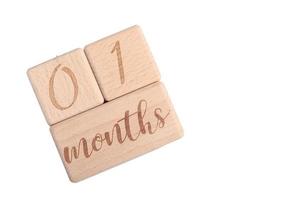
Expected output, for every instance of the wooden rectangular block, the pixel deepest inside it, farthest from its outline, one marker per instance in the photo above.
(116, 131)
(65, 86)
(122, 63)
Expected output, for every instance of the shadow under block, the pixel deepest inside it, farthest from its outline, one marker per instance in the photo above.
(122, 63)
(116, 131)
(65, 86)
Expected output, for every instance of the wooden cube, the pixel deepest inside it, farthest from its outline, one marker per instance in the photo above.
(122, 63)
(65, 86)
(116, 131)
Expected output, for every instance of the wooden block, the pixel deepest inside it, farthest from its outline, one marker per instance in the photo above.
(122, 63)
(116, 131)
(65, 86)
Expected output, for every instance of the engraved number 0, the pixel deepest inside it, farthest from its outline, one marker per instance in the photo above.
(69, 72)
(120, 62)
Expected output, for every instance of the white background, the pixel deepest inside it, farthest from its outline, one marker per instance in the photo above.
(221, 62)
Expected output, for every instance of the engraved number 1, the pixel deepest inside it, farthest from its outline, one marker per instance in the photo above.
(120, 62)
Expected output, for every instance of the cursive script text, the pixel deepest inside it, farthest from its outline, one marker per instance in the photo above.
(120, 131)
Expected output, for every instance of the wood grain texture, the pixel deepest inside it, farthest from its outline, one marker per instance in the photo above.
(116, 131)
(65, 86)
(122, 63)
